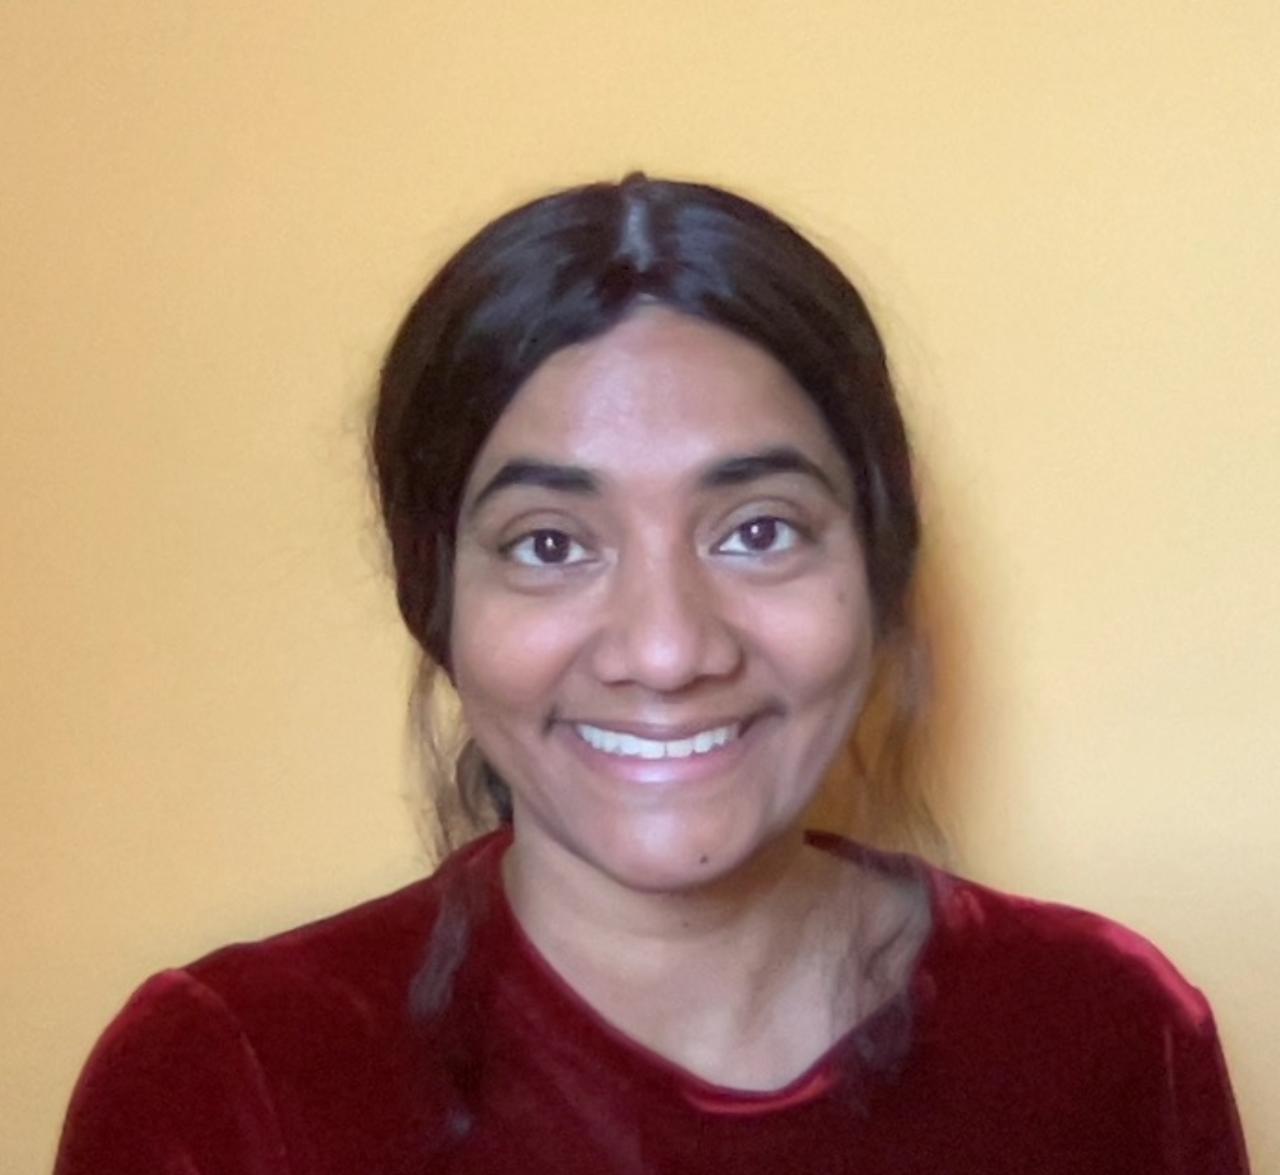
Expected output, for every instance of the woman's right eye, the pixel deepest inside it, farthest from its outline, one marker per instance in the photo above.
(545, 548)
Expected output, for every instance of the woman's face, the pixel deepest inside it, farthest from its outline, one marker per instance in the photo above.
(661, 630)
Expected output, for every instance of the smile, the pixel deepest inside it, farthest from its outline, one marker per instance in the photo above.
(630, 746)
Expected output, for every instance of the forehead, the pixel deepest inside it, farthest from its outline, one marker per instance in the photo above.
(661, 395)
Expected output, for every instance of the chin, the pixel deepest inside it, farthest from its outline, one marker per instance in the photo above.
(681, 860)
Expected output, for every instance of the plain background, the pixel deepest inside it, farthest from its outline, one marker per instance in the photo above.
(212, 216)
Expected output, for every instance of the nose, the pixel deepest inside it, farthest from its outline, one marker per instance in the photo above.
(665, 625)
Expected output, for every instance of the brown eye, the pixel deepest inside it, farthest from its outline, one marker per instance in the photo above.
(546, 548)
(760, 536)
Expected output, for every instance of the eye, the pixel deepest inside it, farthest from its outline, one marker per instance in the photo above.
(760, 536)
(545, 548)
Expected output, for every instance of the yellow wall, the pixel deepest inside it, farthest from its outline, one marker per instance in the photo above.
(212, 214)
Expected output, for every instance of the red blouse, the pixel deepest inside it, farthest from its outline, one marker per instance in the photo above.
(1032, 1038)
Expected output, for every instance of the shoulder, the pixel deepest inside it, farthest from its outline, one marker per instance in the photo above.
(1047, 987)
(1076, 1020)
(357, 965)
(370, 948)
(1021, 946)
(270, 1044)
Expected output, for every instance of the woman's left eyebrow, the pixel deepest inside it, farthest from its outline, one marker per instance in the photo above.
(767, 463)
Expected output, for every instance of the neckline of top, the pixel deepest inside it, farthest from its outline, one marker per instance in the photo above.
(873, 1048)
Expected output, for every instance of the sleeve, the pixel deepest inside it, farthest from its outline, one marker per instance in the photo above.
(173, 1088)
(1202, 1130)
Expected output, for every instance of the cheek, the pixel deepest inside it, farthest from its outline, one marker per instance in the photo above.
(824, 644)
(508, 652)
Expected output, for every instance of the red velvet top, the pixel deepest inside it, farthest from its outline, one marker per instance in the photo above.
(1032, 1038)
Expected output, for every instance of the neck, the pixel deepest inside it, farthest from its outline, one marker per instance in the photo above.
(744, 981)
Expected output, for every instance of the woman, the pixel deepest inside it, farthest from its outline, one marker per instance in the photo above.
(651, 509)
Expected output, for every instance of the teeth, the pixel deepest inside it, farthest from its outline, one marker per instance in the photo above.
(631, 746)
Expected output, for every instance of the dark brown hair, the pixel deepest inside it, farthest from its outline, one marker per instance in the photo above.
(566, 268)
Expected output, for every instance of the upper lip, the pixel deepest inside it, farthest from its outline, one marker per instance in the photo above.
(663, 731)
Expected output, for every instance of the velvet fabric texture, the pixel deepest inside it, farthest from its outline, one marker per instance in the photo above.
(1032, 1038)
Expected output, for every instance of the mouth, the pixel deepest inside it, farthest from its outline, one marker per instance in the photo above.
(633, 746)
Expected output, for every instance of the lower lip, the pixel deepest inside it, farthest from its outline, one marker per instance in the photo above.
(692, 769)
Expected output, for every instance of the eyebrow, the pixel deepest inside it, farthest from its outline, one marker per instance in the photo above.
(545, 475)
(580, 482)
(767, 463)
